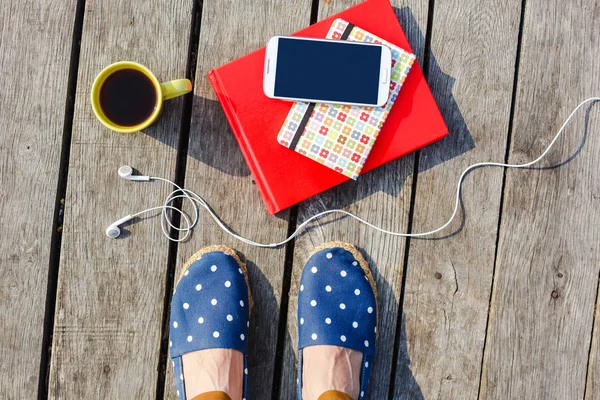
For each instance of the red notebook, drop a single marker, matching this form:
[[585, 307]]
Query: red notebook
[[284, 177]]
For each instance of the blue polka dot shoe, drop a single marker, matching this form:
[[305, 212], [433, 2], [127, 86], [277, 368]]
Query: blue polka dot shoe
[[210, 308], [337, 305]]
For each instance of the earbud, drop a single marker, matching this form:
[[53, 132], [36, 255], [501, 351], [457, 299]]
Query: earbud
[[113, 230], [127, 172]]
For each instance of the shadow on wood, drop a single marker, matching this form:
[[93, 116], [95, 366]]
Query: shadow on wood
[[459, 140], [213, 120], [576, 153], [261, 336], [581, 144], [406, 384], [386, 301]]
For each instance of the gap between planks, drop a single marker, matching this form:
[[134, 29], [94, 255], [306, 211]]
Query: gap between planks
[[180, 168], [501, 206], [63, 171], [411, 210], [287, 274]]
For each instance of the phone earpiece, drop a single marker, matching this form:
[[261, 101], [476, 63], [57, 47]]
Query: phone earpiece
[[113, 230], [127, 172]]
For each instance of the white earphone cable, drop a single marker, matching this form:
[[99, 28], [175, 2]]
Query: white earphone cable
[[196, 201]]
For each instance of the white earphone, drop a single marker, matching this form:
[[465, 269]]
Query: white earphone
[[126, 172], [113, 230]]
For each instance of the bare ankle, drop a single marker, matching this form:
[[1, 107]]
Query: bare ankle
[[213, 370], [330, 368]]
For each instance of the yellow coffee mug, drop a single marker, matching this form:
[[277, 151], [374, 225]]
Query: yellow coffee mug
[[164, 91]]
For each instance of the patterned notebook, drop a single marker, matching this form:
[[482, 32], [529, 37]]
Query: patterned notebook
[[341, 136]]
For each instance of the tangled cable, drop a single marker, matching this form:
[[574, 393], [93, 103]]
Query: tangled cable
[[196, 201]]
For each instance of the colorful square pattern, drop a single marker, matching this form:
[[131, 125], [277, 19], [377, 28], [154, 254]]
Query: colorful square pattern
[[341, 136]]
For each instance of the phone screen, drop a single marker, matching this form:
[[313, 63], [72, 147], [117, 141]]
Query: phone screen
[[327, 71]]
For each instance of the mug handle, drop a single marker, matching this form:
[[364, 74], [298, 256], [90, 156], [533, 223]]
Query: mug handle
[[175, 88]]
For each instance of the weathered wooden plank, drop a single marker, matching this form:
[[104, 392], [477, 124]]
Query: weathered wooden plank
[[217, 171], [35, 44], [592, 385], [448, 283], [548, 255], [109, 302], [382, 197]]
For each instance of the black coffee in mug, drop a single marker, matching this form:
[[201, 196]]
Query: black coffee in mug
[[128, 97]]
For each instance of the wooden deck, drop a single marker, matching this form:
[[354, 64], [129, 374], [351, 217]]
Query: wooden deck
[[504, 305]]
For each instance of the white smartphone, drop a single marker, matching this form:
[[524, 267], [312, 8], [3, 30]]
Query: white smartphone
[[327, 71]]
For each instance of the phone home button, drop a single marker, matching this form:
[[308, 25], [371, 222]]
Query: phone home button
[[386, 73]]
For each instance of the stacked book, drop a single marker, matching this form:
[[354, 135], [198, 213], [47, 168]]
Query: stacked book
[[291, 162]]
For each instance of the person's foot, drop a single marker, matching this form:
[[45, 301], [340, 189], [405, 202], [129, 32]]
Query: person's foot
[[209, 325], [337, 318]]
